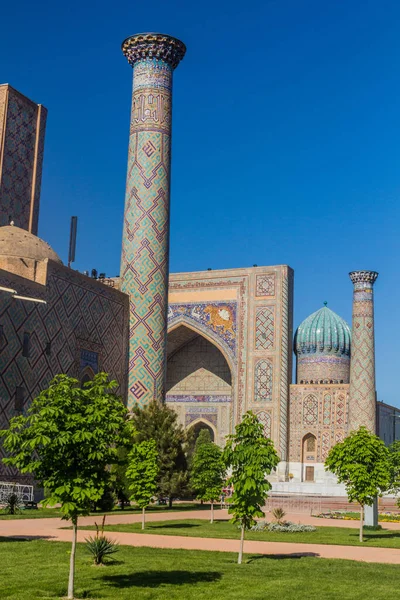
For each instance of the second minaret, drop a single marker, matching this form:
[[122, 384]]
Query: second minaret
[[362, 396]]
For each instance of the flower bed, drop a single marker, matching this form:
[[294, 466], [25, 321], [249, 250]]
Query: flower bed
[[338, 514], [351, 516], [284, 526]]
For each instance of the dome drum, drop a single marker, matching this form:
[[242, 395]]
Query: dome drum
[[323, 369]]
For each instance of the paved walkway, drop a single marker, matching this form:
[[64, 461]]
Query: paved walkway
[[51, 529]]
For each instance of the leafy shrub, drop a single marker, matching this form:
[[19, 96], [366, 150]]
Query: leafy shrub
[[100, 546], [13, 504], [107, 502], [283, 527], [259, 526], [290, 527]]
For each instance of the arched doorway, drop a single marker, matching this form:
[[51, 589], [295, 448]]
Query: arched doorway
[[86, 375], [309, 455], [194, 431], [199, 381], [199, 426]]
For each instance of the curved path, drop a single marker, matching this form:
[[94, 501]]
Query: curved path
[[51, 529]]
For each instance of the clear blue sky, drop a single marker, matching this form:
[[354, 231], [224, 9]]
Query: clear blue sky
[[286, 142]]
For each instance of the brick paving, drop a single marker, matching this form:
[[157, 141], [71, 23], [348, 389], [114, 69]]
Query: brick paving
[[50, 529]]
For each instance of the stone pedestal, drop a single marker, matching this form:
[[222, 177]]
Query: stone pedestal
[[371, 514]]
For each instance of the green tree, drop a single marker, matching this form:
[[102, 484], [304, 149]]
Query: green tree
[[142, 474], [119, 480], [193, 440], [362, 463], [204, 437], [394, 459], [67, 440], [251, 457], [159, 422], [208, 471]]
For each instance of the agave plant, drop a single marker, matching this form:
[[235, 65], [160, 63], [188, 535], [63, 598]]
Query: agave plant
[[100, 546], [279, 515], [13, 504]]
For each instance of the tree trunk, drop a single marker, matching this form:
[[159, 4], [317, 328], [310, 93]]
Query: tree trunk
[[71, 579], [212, 512], [143, 518], [241, 546], [361, 522], [170, 502]]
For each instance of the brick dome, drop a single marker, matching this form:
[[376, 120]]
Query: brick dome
[[18, 243]]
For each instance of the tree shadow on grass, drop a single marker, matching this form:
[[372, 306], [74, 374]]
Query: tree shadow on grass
[[174, 526], [283, 556], [153, 579], [379, 535]]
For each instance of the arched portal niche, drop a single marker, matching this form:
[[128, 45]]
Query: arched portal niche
[[309, 455], [197, 427], [86, 375], [199, 380], [195, 364]]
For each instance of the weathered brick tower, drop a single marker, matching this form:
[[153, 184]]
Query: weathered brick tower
[[22, 133]]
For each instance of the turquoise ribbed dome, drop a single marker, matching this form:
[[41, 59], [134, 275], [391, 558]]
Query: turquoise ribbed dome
[[323, 333]]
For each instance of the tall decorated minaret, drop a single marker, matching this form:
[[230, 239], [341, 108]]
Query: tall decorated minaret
[[362, 397], [145, 243]]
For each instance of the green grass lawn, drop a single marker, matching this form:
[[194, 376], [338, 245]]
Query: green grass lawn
[[224, 529], [38, 570], [44, 513], [40, 513]]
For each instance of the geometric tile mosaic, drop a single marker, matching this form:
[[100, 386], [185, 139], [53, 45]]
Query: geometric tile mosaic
[[340, 407], [327, 409], [83, 325], [264, 328], [263, 381], [310, 410], [264, 418], [145, 245], [362, 375], [21, 166], [265, 285], [325, 444], [320, 410]]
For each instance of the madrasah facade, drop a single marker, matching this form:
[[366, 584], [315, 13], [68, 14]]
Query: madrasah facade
[[211, 344]]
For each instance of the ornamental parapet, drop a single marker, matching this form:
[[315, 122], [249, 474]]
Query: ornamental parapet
[[363, 276], [144, 46]]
